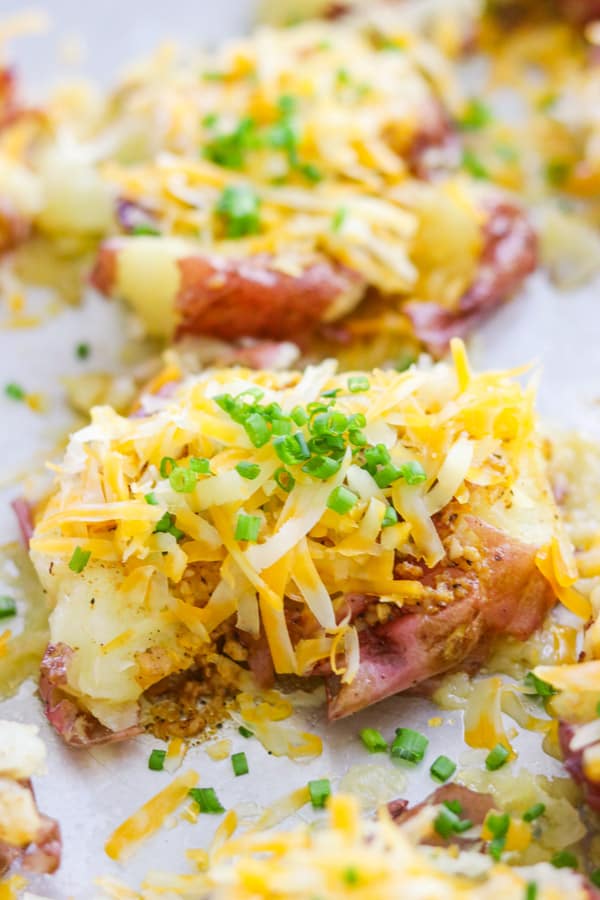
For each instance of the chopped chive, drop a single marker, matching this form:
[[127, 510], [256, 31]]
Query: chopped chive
[[156, 760], [82, 351], [14, 391], [351, 875], [166, 525], [341, 500], [284, 479], [390, 517], [200, 465], [245, 732], [557, 172], [320, 791], [150, 498], [167, 465], [291, 449], [387, 474], [442, 768], [183, 480], [498, 825], [448, 822], [473, 165], [413, 472], [79, 560], [405, 361], [8, 606], [333, 392], [595, 878], [496, 758], [358, 383], [373, 740], [299, 416], [145, 228], [339, 217], [310, 172], [210, 120], [322, 467], [534, 812], [598, 708], [531, 891], [476, 115], [541, 687], [564, 860], [247, 528], [240, 763], [239, 207], [207, 800], [454, 805], [257, 430], [248, 470], [409, 745], [374, 456]]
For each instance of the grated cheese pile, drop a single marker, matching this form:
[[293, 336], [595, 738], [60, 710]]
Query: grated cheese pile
[[354, 857], [211, 507]]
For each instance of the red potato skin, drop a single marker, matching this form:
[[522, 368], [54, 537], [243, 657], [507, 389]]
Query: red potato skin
[[504, 595], [509, 255], [573, 760], [42, 856]]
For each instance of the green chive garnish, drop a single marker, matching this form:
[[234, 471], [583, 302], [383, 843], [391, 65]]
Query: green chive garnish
[[409, 745], [79, 560], [531, 891], [207, 800], [156, 760], [358, 383], [341, 500], [497, 757], [150, 498], [564, 860], [183, 480], [247, 528], [351, 875], [200, 465], [448, 821], [339, 217], [245, 732], [320, 791], [167, 465], [8, 606], [373, 740], [82, 351], [390, 517], [239, 207], [498, 825], [248, 470], [442, 768], [540, 687], [239, 763], [14, 391], [534, 812]]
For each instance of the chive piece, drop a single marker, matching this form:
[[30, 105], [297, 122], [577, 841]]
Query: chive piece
[[413, 472], [541, 687], [350, 875], [229, 150], [564, 860], [405, 361], [390, 517], [322, 467], [183, 480], [339, 217], [557, 172], [245, 732], [447, 821], [145, 228], [534, 812], [82, 351], [476, 115], [299, 416], [239, 207], [320, 791], [210, 120], [387, 475], [207, 800], [240, 763], [156, 760], [8, 606], [358, 383], [496, 758], [257, 430], [14, 391], [373, 740], [498, 825], [454, 806], [409, 745], [374, 456], [473, 165], [166, 525], [248, 470], [247, 528], [150, 498], [79, 560], [167, 465], [310, 172], [341, 500], [284, 479], [333, 392], [291, 448], [595, 878], [598, 708], [200, 465], [442, 768], [531, 891]]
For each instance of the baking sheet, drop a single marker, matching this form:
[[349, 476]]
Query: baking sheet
[[91, 791]]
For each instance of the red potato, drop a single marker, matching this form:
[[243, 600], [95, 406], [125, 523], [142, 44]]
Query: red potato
[[573, 760], [179, 294], [42, 856], [504, 594]]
